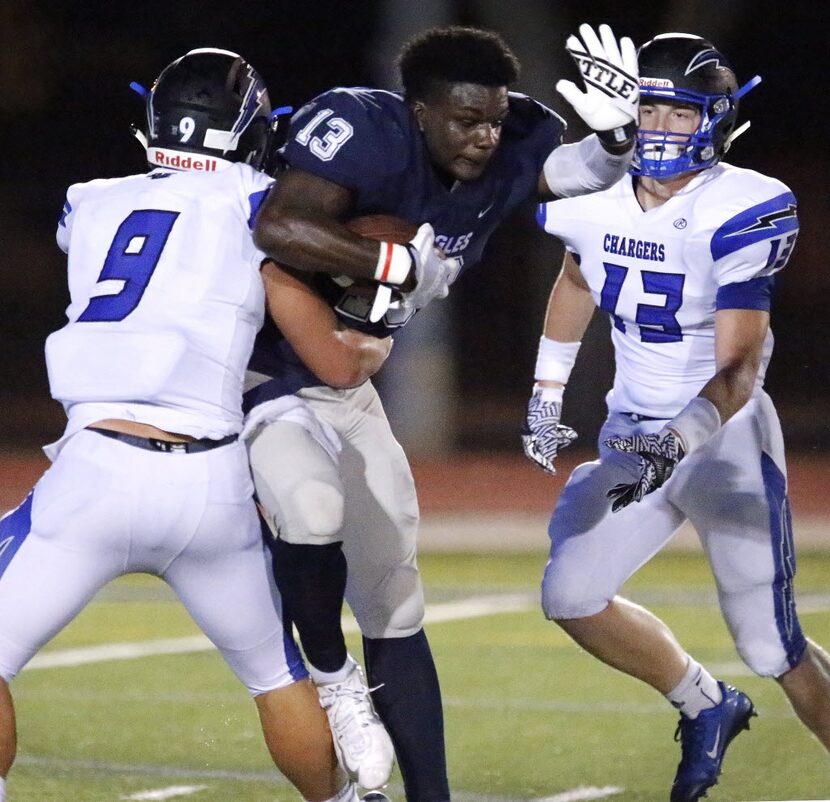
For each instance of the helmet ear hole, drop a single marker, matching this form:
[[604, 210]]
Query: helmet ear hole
[[209, 102]]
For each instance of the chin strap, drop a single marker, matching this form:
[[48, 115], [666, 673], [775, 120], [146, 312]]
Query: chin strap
[[741, 129], [139, 135]]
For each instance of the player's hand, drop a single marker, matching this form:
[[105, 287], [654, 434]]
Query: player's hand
[[433, 271], [542, 434], [659, 454], [609, 71]]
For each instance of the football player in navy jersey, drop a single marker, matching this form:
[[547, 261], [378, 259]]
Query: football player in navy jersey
[[454, 155], [682, 255]]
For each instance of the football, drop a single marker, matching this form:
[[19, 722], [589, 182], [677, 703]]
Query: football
[[384, 227]]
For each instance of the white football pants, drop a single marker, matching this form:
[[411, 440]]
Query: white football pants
[[733, 489], [106, 508]]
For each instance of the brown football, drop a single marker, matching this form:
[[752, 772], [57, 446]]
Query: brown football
[[384, 227]]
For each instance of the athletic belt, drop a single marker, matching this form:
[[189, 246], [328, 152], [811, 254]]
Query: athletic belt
[[637, 417], [153, 444]]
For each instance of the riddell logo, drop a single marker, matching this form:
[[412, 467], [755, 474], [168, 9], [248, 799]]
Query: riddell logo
[[662, 83], [180, 161]]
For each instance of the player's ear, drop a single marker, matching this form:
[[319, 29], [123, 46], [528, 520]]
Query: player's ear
[[418, 109]]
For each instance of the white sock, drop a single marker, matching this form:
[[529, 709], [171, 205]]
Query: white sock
[[348, 793], [698, 690], [2, 790], [329, 677]]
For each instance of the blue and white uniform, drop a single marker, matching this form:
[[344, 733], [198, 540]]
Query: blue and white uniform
[[368, 141], [662, 275], [166, 299]]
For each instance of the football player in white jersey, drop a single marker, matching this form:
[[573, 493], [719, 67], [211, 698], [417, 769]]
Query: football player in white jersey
[[150, 476], [682, 255]]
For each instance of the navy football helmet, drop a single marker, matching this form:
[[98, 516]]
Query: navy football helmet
[[687, 69], [209, 102]]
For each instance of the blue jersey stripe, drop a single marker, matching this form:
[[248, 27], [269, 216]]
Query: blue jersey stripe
[[293, 655], [67, 209], [256, 200], [542, 214], [769, 219], [783, 555], [14, 528], [753, 294]]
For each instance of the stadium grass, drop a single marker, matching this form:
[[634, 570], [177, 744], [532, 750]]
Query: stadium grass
[[529, 715]]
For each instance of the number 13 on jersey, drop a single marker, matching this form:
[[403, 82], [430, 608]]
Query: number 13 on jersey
[[658, 324]]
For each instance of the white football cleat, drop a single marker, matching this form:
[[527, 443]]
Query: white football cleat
[[361, 742]]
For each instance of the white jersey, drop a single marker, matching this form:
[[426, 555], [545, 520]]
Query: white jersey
[[166, 299], [662, 274]]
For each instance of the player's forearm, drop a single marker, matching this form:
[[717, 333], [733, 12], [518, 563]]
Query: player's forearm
[[315, 243], [739, 345], [360, 356], [582, 167], [570, 307], [731, 387]]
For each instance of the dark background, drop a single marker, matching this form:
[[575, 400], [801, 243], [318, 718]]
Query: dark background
[[66, 108]]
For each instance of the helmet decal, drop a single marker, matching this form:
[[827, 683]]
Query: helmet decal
[[710, 56], [208, 103]]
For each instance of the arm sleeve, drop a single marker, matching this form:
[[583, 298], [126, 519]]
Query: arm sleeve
[[583, 167], [750, 248], [340, 133]]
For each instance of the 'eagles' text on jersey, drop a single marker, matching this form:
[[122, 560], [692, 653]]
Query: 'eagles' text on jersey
[[368, 141], [662, 274], [166, 299]]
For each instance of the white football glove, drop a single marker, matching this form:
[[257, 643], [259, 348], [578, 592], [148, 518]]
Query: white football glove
[[434, 272], [543, 436], [610, 73], [659, 454]]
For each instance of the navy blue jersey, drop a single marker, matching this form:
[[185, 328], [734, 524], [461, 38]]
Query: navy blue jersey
[[368, 141]]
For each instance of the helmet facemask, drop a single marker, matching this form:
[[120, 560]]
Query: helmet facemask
[[663, 154], [686, 69]]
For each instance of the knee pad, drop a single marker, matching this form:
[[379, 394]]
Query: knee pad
[[311, 512], [569, 597], [765, 628], [392, 609], [762, 660]]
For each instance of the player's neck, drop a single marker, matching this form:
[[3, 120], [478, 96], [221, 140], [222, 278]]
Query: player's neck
[[652, 193]]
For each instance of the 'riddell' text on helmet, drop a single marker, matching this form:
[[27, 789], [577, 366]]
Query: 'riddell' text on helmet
[[209, 102], [687, 69]]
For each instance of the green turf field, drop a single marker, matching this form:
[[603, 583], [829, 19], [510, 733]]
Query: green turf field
[[529, 717]]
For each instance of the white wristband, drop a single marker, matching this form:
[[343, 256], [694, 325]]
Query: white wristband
[[695, 423], [394, 263], [555, 360], [549, 395]]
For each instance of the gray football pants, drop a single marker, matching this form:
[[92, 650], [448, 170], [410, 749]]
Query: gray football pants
[[365, 497]]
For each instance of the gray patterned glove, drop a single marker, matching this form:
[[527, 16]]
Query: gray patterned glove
[[542, 433], [659, 454]]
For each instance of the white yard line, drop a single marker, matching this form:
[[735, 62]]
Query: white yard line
[[268, 776], [435, 613], [463, 609], [167, 793], [583, 793]]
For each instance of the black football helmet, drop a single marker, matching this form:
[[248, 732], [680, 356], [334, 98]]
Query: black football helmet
[[209, 102], [687, 69]]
